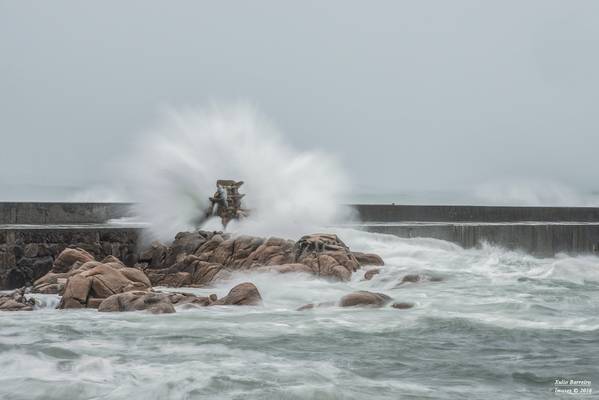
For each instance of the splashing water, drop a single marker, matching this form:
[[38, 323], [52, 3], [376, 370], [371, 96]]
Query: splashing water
[[289, 192]]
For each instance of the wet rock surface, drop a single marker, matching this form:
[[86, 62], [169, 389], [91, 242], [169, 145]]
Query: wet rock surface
[[402, 305], [156, 303], [198, 258], [368, 275], [84, 282], [364, 298], [67, 259], [110, 286], [418, 278], [244, 294], [361, 298], [368, 259], [16, 301]]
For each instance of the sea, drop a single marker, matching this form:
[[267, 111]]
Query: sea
[[494, 324]]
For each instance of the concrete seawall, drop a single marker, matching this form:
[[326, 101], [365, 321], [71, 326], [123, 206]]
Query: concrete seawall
[[89, 213], [61, 213], [539, 239], [541, 231], [417, 213]]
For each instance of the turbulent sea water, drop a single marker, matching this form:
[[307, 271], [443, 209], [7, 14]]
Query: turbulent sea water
[[501, 325]]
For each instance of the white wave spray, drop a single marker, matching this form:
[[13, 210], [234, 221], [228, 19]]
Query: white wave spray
[[175, 171]]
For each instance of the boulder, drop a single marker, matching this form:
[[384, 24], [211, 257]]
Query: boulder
[[156, 303], [51, 283], [415, 278], [185, 243], [244, 294], [410, 278], [402, 305], [326, 255], [179, 299], [311, 306], [154, 256], [368, 275], [68, 257], [365, 259], [189, 271], [286, 268], [88, 284], [364, 298], [16, 301]]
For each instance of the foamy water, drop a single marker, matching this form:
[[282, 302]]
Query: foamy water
[[500, 325]]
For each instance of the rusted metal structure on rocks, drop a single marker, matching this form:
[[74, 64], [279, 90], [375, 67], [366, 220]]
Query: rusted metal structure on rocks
[[226, 202]]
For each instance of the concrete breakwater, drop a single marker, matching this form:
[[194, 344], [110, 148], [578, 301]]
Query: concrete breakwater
[[61, 213], [88, 213], [33, 234], [539, 239], [541, 231], [503, 214]]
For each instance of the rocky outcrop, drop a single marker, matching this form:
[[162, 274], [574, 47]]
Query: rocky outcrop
[[111, 286], [179, 299], [326, 255], [84, 282], [16, 301], [156, 303], [244, 294], [68, 258], [198, 258], [364, 298]]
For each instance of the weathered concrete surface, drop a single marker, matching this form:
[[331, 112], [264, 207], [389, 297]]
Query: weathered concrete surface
[[78, 213], [26, 254], [61, 213], [542, 231], [405, 213], [540, 239]]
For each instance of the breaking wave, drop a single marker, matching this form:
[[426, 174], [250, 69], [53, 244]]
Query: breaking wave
[[175, 171]]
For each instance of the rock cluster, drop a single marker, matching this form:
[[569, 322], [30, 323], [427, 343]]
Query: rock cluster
[[244, 294], [28, 254], [16, 301], [109, 285], [84, 282], [198, 258], [194, 258]]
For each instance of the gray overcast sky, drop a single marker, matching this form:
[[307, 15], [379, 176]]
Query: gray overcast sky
[[409, 94]]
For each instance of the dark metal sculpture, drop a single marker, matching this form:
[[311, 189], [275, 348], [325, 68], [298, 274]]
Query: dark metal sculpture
[[226, 202]]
